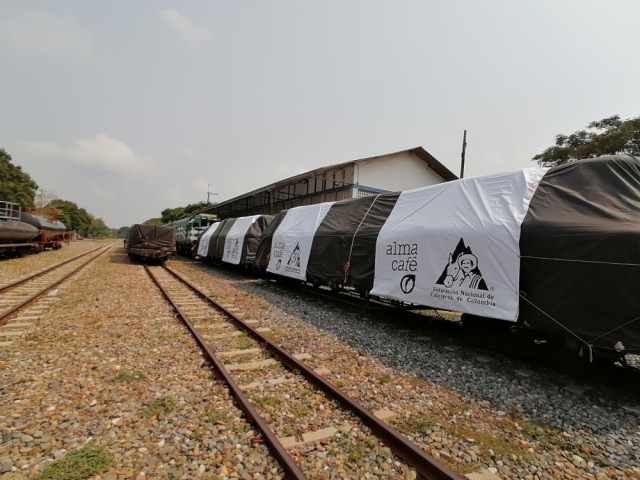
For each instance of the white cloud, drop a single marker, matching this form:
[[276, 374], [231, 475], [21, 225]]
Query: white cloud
[[174, 196], [102, 193], [45, 33], [99, 152], [193, 35]]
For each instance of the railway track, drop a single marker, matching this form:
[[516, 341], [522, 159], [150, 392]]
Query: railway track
[[22, 293], [279, 393]]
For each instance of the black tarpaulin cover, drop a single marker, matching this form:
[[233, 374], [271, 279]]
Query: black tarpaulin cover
[[151, 236], [251, 239], [580, 253], [263, 252], [216, 242], [345, 242], [253, 236]]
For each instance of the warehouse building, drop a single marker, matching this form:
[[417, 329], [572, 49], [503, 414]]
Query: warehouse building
[[397, 171]]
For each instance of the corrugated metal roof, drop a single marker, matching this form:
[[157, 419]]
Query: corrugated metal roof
[[429, 159]]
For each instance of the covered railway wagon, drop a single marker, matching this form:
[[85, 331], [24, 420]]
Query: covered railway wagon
[[151, 242], [554, 251], [234, 240]]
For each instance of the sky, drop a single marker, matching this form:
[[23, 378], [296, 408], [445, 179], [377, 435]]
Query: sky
[[127, 108]]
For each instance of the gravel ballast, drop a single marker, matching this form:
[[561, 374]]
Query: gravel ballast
[[107, 366]]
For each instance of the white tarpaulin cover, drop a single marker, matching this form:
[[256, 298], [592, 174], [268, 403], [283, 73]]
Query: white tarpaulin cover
[[455, 245], [234, 241], [292, 240], [203, 245]]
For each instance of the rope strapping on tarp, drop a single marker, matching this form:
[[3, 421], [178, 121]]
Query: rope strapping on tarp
[[617, 328], [589, 346], [582, 261], [347, 265]]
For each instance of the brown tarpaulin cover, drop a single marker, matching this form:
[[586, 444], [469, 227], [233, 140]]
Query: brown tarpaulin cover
[[151, 236]]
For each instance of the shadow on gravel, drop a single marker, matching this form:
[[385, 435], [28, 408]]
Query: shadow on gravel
[[119, 255]]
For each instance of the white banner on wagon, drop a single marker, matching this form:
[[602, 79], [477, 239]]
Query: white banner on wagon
[[234, 240], [203, 244], [455, 245], [292, 240]]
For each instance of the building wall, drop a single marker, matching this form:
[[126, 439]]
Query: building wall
[[387, 173], [403, 171]]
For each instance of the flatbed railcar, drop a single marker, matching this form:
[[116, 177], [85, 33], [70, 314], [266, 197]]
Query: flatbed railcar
[[551, 253]]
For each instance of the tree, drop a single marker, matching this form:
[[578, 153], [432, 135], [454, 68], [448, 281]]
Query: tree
[[15, 185], [44, 198], [154, 221], [609, 136], [172, 214], [73, 217], [98, 227], [169, 215], [123, 232]]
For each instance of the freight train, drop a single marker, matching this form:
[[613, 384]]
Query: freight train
[[552, 254], [25, 232], [189, 230]]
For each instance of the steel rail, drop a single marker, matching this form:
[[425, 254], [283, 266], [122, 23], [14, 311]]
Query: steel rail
[[39, 274], [5, 315], [426, 465], [271, 440]]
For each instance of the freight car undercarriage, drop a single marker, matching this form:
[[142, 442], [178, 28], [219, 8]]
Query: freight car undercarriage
[[22, 249], [567, 350]]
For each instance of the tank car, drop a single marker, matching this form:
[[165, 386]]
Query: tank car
[[51, 232], [15, 235], [151, 243]]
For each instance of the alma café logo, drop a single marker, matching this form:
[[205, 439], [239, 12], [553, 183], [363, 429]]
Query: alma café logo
[[404, 259]]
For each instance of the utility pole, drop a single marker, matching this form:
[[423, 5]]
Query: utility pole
[[464, 148], [209, 193]]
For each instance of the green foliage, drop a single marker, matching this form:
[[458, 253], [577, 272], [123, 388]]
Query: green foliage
[[154, 221], [15, 185], [417, 424], [128, 376], [73, 217], [123, 232], [218, 416], [173, 214], [76, 465], [158, 406], [98, 227], [609, 136]]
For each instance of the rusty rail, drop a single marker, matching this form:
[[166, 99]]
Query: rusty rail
[[4, 316], [425, 464], [39, 274]]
